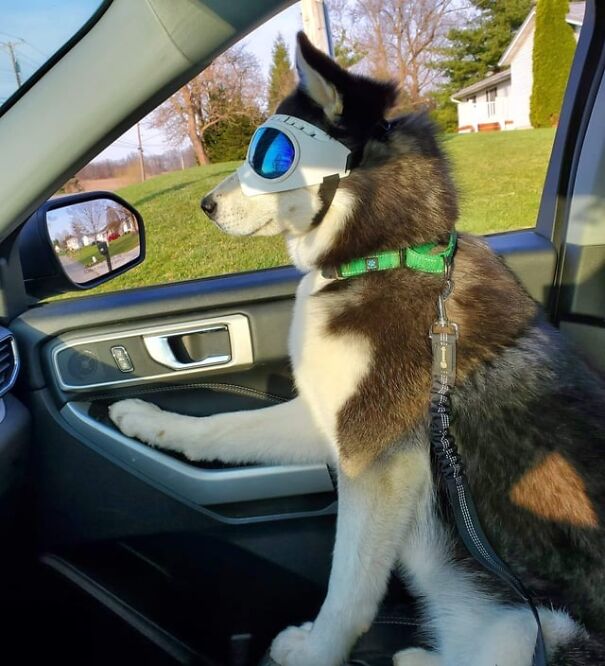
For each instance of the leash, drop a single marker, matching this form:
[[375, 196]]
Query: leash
[[443, 335]]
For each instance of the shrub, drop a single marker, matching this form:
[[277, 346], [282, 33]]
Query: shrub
[[554, 46]]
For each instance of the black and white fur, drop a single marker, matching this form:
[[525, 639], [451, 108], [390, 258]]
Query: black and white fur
[[361, 362]]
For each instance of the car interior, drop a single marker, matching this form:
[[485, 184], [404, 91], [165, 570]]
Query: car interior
[[113, 550]]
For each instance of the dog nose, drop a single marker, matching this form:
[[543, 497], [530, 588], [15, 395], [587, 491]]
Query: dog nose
[[209, 205]]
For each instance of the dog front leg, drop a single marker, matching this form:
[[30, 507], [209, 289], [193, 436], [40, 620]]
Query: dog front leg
[[374, 512], [281, 434]]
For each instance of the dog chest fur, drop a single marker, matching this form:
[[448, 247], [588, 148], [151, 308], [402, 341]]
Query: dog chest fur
[[328, 367]]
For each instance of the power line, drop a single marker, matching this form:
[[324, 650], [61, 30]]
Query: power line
[[37, 50], [8, 34], [29, 60], [24, 41]]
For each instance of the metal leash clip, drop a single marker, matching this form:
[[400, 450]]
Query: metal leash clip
[[443, 335]]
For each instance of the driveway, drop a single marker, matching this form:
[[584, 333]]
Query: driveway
[[81, 274]]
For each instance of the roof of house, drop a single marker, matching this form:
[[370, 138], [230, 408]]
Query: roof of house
[[488, 82], [518, 39]]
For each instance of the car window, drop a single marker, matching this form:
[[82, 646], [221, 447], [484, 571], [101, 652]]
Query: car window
[[498, 116], [32, 32]]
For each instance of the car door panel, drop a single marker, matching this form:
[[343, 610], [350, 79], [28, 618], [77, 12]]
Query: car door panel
[[41, 324], [199, 486], [197, 391]]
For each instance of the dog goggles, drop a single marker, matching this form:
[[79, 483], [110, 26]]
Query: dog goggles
[[287, 153]]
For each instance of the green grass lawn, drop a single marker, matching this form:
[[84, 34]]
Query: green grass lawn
[[85, 254], [499, 175], [123, 243]]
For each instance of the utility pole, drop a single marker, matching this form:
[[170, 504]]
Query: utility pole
[[10, 47], [141, 158], [316, 24]]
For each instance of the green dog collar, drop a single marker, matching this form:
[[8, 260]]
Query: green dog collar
[[418, 258]]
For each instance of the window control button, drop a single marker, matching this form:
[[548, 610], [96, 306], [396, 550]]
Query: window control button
[[122, 359]]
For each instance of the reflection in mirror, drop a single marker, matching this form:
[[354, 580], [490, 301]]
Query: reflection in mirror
[[93, 238]]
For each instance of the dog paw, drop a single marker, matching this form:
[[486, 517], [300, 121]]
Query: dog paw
[[140, 419], [297, 646]]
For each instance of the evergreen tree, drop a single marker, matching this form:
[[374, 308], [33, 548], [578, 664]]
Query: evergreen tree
[[554, 46], [281, 74], [347, 52], [474, 51], [228, 140]]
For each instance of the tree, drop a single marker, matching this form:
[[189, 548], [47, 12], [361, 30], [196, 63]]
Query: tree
[[88, 218], [281, 74], [77, 228], [397, 40], [229, 141], [554, 46], [227, 91], [472, 52], [346, 54]]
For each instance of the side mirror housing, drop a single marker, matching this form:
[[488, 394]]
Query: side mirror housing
[[78, 242]]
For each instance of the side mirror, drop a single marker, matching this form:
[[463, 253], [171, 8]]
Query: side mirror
[[79, 242]]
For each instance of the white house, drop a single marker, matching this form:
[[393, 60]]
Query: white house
[[73, 243], [128, 225], [501, 101]]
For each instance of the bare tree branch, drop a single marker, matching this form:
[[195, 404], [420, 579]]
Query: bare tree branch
[[400, 39], [230, 88]]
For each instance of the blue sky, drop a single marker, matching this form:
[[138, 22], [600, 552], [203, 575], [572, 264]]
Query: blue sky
[[38, 28]]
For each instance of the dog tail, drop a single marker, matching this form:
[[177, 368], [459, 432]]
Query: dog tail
[[583, 650]]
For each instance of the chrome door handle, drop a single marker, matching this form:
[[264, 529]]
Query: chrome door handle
[[160, 350], [238, 331]]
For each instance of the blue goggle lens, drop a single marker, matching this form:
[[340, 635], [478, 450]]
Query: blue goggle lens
[[271, 153]]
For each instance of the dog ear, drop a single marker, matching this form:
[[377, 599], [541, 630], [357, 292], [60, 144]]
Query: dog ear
[[316, 77], [349, 100]]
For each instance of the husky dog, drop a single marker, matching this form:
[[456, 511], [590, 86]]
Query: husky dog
[[529, 414]]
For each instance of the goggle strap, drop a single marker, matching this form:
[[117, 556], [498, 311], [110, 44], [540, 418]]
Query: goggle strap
[[327, 190]]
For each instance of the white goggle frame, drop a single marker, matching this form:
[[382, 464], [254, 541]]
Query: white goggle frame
[[316, 156]]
